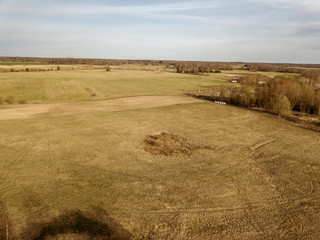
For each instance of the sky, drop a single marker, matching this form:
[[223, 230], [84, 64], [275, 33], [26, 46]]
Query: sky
[[203, 30]]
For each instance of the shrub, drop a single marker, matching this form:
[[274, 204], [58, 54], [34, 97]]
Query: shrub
[[9, 99], [282, 106], [27, 69], [58, 68], [108, 69], [1, 100], [22, 101]]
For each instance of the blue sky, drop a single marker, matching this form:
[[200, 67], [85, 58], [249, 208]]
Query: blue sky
[[216, 30]]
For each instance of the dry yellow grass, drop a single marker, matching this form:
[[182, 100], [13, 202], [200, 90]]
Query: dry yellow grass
[[258, 180], [111, 105]]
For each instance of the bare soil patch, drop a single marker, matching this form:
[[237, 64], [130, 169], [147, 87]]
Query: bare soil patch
[[171, 145]]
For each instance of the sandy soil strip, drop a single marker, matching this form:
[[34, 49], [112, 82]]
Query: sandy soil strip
[[112, 105]]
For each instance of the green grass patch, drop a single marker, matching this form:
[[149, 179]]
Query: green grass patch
[[55, 86]]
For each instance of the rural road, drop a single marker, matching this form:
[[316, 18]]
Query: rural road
[[111, 105]]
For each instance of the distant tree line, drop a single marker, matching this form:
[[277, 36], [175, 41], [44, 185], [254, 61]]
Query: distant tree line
[[201, 68], [88, 61], [310, 71], [91, 61]]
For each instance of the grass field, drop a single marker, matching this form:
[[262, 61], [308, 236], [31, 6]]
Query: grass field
[[61, 86], [257, 178]]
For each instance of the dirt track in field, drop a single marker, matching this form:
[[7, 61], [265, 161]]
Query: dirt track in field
[[111, 105]]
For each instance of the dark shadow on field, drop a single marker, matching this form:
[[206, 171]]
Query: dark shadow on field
[[94, 225]]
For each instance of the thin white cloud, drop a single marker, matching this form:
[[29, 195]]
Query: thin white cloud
[[85, 8], [299, 5], [171, 11]]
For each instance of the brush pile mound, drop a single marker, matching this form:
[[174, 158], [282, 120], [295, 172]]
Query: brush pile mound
[[170, 145]]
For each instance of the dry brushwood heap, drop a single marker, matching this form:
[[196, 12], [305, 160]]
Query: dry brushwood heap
[[170, 145]]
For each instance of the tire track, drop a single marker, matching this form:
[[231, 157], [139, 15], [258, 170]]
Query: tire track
[[25, 152], [313, 176], [288, 209]]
